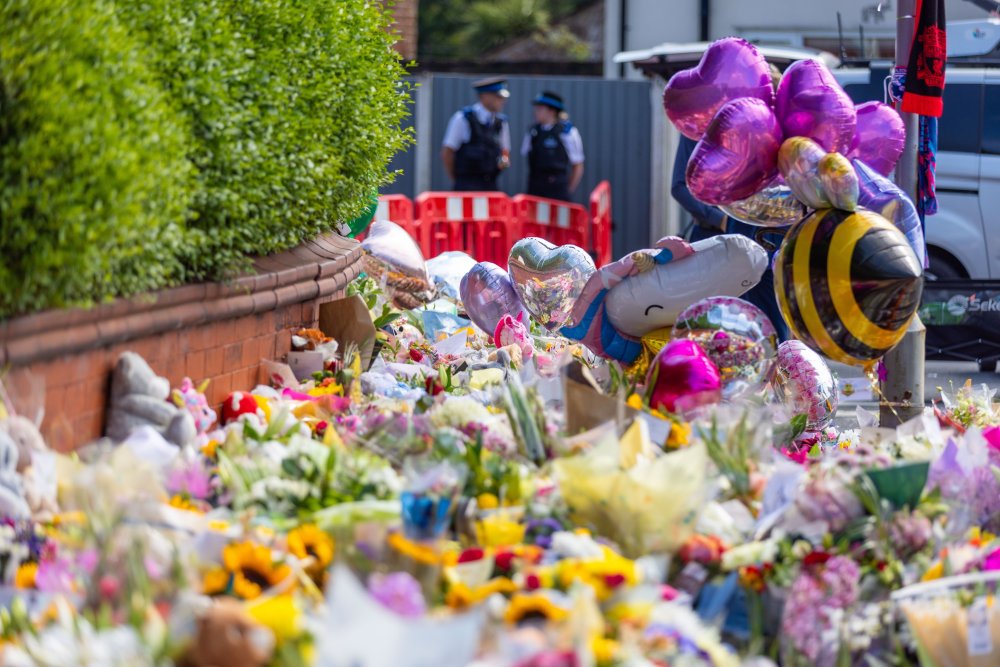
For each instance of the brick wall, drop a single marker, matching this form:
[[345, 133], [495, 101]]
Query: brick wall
[[405, 12], [217, 332]]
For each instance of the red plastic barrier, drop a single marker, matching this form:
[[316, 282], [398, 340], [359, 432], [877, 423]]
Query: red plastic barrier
[[600, 223], [399, 209], [478, 223], [558, 222]]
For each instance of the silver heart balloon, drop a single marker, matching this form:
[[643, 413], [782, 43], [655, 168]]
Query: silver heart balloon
[[774, 206], [549, 278]]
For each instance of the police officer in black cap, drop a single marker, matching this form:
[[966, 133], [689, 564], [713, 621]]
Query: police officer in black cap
[[554, 150], [477, 141]]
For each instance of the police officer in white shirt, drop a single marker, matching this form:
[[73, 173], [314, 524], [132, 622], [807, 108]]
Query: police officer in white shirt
[[477, 142], [554, 150]]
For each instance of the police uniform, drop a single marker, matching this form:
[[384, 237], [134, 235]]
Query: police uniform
[[480, 139], [552, 151]]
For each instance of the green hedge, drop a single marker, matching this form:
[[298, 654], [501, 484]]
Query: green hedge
[[257, 125]]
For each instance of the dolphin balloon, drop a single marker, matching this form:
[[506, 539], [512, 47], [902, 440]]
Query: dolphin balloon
[[647, 289]]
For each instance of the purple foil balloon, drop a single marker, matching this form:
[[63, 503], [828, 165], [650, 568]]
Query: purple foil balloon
[[729, 69], [810, 103], [488, 295], [738, 154], [879, 137], [877, 193]]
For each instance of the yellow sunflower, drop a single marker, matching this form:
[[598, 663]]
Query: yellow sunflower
[[525, 606], [25, 576], [309, 541], [247, 571]]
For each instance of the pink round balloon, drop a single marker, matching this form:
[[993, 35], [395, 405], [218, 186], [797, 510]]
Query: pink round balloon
[[738, 154], [729, 69], [683, 377], [488, 295], [879, 137], [810, 103]]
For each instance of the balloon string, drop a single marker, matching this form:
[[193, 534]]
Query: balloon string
[[872, 374]]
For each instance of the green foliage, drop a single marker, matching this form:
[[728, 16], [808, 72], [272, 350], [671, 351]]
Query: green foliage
[[94, 184], [145, 143]]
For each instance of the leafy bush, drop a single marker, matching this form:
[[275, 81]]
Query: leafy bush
[[145, 143], [94, 180], [296, 108]]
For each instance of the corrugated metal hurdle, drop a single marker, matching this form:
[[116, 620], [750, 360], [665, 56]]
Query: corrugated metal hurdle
[[559, 222]]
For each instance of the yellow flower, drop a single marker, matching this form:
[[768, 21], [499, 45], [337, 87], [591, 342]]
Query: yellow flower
[[216, 581], [487, 501], [265, 407], [635, 402], [309, 541], [680, 434], [332, 389], [182, 503], [605, 650], [418, 552], [527, 605], [636, 613], [499, 530], [936, 571], [209, 450], [252, 568], [459, 596], [280, 614], [25, 576]]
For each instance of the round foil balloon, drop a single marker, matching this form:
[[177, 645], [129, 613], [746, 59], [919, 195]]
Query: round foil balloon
[[803, 381], [682, 377], [392, 255], [840, 183], [798, 162], [774, 206], [549, 278], [879, 137], [447, 270], [738, 154], [488, 295], [877, 193], [736, 335], [810, 103], [729, 69], [848, 284]]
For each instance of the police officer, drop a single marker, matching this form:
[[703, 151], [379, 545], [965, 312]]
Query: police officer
[[554, 150], [477, 142]]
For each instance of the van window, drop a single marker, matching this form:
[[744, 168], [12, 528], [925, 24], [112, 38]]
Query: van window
[[959, 128], [991, 120]]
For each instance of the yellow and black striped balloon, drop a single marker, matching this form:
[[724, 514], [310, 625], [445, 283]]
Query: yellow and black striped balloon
[[848, 284]]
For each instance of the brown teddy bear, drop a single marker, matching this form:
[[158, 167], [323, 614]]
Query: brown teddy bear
[[228, 637]]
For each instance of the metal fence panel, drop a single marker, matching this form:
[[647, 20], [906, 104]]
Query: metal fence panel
[[614, 119]]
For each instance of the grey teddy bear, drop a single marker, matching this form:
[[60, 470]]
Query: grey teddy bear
[[139, 397]]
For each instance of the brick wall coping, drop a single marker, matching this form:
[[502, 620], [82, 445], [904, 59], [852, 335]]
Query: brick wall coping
[[305, 273]]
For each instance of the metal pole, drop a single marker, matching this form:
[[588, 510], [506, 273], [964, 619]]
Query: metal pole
[[904, 384]]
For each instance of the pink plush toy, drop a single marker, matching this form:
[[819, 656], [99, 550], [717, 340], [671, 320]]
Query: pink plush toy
[[513, 332], [193, 400]]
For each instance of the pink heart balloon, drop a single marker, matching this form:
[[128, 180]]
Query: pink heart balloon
[[810, 103], [879, 137], [729, 69], [738, 154]]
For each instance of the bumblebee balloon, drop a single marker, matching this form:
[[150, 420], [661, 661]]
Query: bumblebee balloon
[[848, 284]]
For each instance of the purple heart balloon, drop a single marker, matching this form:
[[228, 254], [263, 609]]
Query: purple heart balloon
[[810, 103], [488, 295], [738, 154], [729, 69], [879, 137]]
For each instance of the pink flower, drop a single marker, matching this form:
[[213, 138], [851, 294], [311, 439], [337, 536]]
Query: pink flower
[[86, 561], [399, 592], [109, 587], [191, 479], [55, 576]]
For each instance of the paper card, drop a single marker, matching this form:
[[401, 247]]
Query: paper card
[[348, 321], [659, 429], [453, 345], [304, 364], [980, 637], [586, 407], [277, 374]]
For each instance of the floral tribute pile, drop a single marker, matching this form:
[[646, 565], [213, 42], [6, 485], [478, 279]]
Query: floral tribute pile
[[436, 500]]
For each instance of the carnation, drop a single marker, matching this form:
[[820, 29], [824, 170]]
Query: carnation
[[458, 411]]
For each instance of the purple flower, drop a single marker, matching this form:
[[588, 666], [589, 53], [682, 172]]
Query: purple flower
[[399, 592], [55, 576], [192, 479]]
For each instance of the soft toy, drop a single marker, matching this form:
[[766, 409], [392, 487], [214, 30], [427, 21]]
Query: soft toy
[[512, 331], [139, 398], [647, 289], [32, 462], [12, 502], [228, 637], [193, 400], [239, 403]]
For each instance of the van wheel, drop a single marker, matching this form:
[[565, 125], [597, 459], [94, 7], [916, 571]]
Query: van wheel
[[943, 267], [988, 366]]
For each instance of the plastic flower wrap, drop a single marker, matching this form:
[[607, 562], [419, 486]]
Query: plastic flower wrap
[[969, 406], [429, 496], [626, 492]]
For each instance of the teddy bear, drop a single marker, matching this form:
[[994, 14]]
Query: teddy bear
[[13, 504], [193, 399], [227, 636], [34, 464], [139, 397]]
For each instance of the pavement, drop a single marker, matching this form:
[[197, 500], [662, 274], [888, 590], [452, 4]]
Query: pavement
[[856, 389]]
